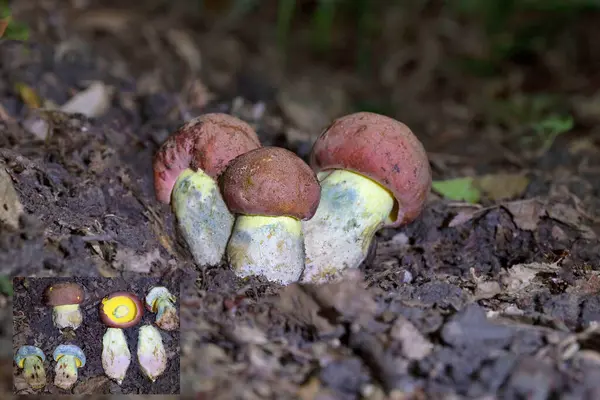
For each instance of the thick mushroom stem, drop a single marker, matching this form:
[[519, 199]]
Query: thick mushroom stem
[[115, 354], [351, 210], [34, 372], [67, 316], [202, 215], [66, 371], [268, 246], [151, 353]]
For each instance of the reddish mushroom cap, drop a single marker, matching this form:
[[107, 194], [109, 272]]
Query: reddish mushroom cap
[[208, 142], [271, 181], [60, 294], [106, 319], [382, 149]]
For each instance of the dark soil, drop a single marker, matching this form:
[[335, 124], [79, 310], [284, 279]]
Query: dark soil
[[33, 324], [500, 299]]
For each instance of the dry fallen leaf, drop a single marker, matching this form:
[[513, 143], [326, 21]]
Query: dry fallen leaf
[[502, 186], [91, 102], [10, 205], [186, 48], [128, 260], [520, 276], [525, 213], [463, 216], [28, 95]]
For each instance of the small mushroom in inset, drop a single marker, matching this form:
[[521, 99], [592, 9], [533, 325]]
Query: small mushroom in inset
[[31, 360], [115, 354], [119, 310], [373, 172], [65, 298], [151, 352], [271, 190], [162, 302], [69, 358], [185, 171]]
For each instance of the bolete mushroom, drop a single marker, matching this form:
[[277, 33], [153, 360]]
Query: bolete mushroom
[[118, 311], [160, 301], [151, 352], [185, 171], [31, 360], [271, 190], [121, 310], [115, 354], [69, 358], [65, 298], [373, 172]]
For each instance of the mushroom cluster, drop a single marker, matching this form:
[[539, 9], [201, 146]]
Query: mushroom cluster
[[286, 220]]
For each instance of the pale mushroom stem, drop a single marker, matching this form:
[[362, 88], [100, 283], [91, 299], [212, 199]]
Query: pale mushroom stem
[[67, 316], [268, 246], [115, 354], [33, 370], [66, 372], [203, 217], [352, 209]]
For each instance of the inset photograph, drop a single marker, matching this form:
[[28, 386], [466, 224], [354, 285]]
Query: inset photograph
[[95, 336]]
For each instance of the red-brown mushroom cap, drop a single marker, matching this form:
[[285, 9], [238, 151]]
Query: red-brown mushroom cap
[[271, 181], [60, 294], [382, 149], [105, 313], [208, 142]]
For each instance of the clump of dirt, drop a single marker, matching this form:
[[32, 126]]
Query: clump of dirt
[[33, 325]]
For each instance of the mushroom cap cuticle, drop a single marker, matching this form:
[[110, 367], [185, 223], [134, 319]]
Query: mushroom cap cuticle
[[272, 182], [63, 293], [208, 143]]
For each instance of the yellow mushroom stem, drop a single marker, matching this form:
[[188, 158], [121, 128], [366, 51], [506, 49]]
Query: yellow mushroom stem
[[203, 217], [66, 371], [33, 371], [352, 209], [268, 246], [67, 316]]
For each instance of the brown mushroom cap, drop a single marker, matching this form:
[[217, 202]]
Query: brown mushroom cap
[[383, 149], [271, 181], [60, 294], [114, 324], [208, 143]]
